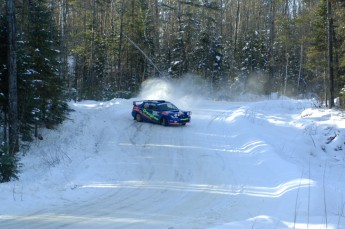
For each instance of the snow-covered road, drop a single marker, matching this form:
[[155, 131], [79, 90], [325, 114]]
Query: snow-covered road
[[236, 165]]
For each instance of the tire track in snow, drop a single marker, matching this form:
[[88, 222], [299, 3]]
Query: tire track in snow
[[188, 177]]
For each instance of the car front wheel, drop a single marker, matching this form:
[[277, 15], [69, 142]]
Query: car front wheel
[[164, 122], [138, 117]]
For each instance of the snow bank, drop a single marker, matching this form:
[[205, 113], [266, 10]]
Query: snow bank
[[268, 164]]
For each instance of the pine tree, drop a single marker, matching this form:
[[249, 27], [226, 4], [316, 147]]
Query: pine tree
[[253, 62], [3, 69], [340, 50], [317, 51], [9, 165], [41, 87], [9, 144]]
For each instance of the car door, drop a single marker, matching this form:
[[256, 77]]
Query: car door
[[154, 112], [150, 112]]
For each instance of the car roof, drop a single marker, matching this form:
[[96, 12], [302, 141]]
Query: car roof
[[155, 101]]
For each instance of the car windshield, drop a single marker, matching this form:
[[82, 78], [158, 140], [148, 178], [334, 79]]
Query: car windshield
[[167, 107]]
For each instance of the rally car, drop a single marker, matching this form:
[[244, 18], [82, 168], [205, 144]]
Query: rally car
[[159, 111]]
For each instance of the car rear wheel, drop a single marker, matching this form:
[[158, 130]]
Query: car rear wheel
[[138, 117]]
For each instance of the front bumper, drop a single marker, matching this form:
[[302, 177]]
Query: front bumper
[[178, 121]]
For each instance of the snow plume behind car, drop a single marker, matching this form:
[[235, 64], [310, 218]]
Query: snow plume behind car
[[185, 92]]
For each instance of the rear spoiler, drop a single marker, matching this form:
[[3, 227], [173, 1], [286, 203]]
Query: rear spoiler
[[136, 103]]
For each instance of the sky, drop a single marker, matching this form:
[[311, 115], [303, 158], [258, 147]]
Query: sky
[[254, 163]]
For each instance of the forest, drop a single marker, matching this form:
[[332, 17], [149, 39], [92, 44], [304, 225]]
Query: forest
[[54, 51]]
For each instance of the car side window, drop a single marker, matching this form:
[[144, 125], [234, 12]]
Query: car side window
[[163, 107], [146, 105], [153, 107]]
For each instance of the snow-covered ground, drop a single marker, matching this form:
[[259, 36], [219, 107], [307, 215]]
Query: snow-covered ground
[[265, 164]]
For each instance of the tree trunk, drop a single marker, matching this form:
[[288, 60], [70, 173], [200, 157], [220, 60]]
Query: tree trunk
[[157, 26], [300, 66], [64, 40], [325, 86], [182, 67], [91, 72], [221, 15], [236, 25], [330, 54], [12, 73], [286, 69], [119, 61], [269, 84]]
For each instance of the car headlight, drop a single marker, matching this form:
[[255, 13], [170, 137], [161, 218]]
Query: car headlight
[[174, 115]]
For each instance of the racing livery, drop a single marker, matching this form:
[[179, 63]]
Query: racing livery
[[159, 111]]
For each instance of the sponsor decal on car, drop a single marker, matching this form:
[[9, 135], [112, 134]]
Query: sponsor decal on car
[[151, 116]]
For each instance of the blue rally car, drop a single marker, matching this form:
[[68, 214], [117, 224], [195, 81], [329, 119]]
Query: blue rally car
[[159, 111]]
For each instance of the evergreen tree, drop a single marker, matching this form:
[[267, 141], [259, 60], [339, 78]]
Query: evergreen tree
[[208, 56], [252, 62], [3, 70], [9, 165], [41, 87], [177, 53], [317, 52], [9, 145], [340, 50]]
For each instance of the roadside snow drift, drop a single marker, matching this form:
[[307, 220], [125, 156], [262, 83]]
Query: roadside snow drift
[[267, 164]]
